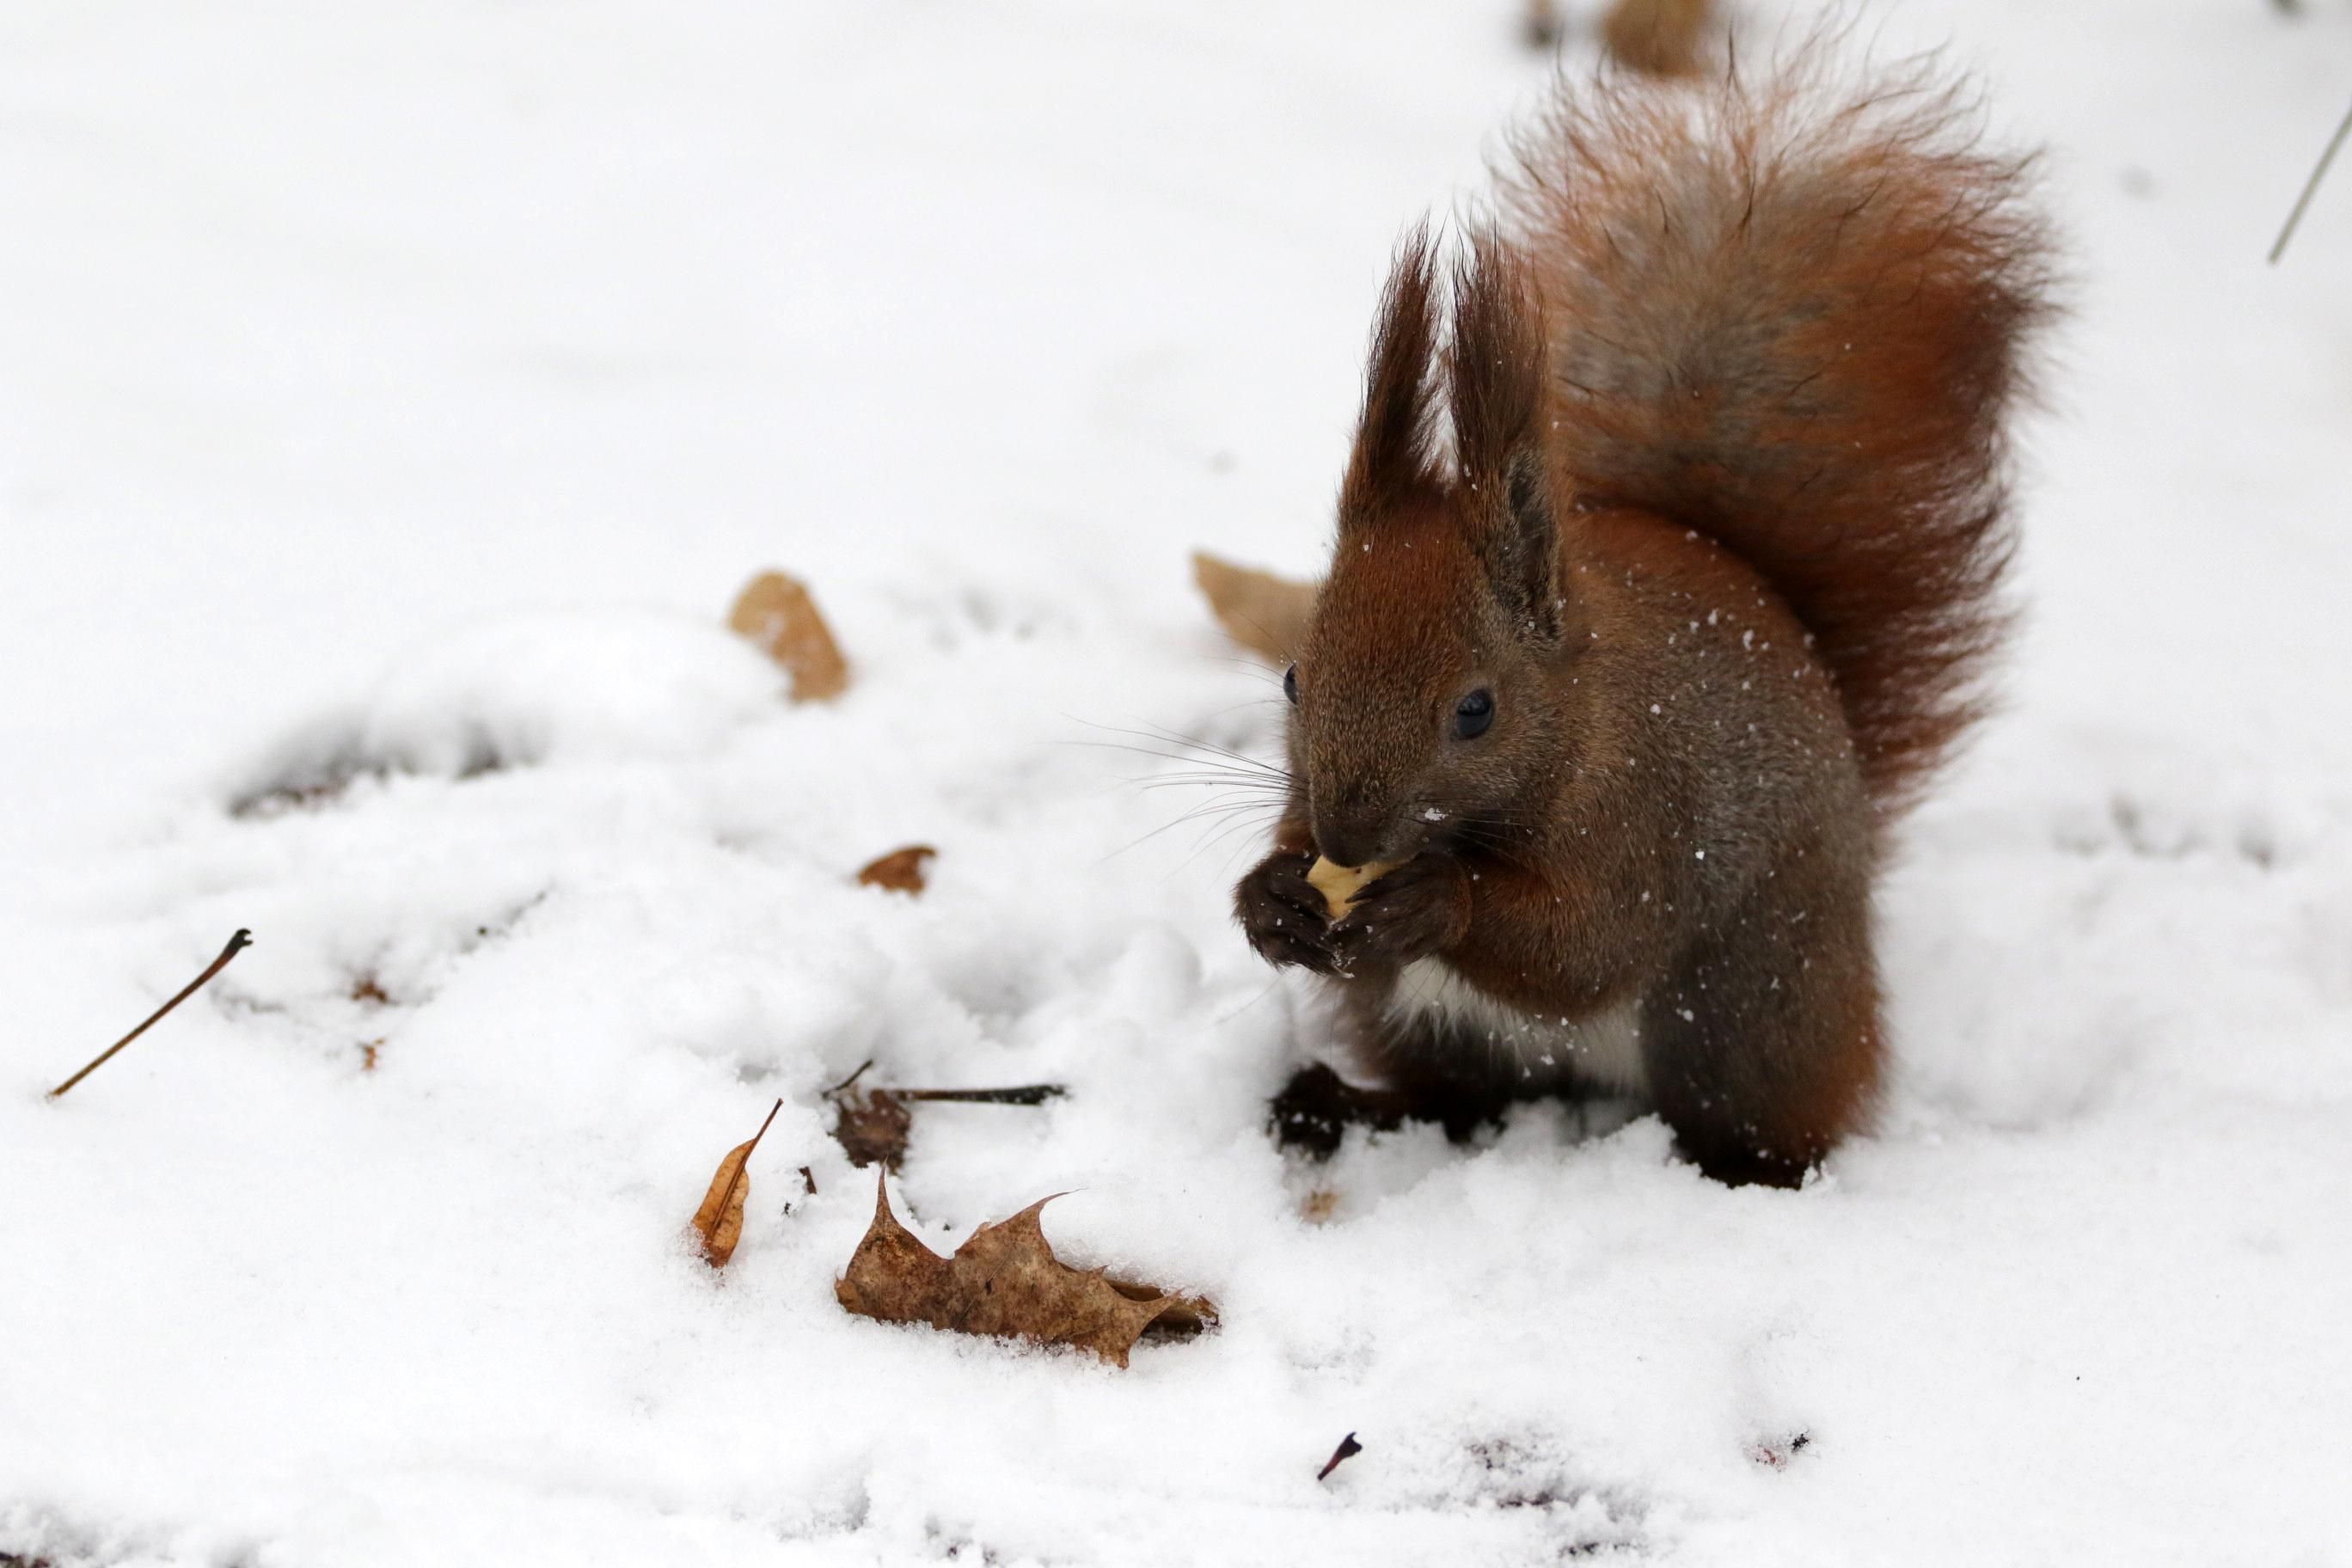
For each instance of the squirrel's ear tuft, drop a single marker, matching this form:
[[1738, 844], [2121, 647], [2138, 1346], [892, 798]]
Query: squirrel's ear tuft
[[1498, 386], [1394, 438]]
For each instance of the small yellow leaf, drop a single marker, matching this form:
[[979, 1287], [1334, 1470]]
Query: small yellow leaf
[[719, 1220], [777, 613]]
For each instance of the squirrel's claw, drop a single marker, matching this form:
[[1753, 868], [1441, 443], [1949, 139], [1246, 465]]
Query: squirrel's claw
[[1283, 914], [1411, 912]]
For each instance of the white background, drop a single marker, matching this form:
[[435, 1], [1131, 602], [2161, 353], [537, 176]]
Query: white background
[[427, 382]]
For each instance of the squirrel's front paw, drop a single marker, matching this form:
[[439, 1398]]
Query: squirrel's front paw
[[1283, 916], [1411, 912]]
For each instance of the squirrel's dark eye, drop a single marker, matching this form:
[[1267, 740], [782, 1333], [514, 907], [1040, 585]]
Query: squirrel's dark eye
[[1290, 683], [1473, 714]]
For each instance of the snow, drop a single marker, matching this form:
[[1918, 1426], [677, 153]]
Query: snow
[[398, 399]]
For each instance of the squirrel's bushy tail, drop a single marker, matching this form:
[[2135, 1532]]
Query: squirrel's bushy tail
[[1791, 317]]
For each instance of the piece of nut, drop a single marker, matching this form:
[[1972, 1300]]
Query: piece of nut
[[1340, 884]]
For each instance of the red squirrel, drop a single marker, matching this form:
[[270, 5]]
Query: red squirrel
[[1667, 569]]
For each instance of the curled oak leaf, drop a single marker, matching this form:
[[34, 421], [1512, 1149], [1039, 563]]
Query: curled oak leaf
[[719, 1220], [1006, 1282], [901, 871], [776, 613], [1264, 614]]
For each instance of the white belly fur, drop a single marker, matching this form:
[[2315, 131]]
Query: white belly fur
[[1603, 1049]]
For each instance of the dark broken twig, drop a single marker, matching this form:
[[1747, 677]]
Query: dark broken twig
[[853, 1077], [1347, 1449], [872, 1125], [1019, 1094], [236, 944]]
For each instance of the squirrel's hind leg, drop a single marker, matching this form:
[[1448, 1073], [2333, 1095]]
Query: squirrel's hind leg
[[1764, 1045]]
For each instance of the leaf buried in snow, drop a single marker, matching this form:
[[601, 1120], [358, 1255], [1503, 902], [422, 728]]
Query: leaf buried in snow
[[777, 613], [719, 1220], [871, 1126], [1004, 1281], [1264, 614], [901, 871]]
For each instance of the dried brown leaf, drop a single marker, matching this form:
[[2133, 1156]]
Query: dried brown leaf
[[776, 611], [1004, 1281], [901, 871], [1264, 612], [719, 1220], [872, 1126]]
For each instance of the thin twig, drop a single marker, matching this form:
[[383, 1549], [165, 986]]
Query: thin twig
[[1020, 1094], [2318, 174], [853, 1077], [236, 944]]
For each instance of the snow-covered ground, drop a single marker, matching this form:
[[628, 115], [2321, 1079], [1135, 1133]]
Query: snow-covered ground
[[425, 380]]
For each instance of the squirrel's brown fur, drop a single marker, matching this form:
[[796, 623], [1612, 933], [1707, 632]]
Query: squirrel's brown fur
[[1715, 539]]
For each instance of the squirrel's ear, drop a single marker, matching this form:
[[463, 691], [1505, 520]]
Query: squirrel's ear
[[1499, 390], [1393, 456], [1523, 556]]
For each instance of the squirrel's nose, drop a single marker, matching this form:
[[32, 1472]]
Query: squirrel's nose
[[1351, 840]]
